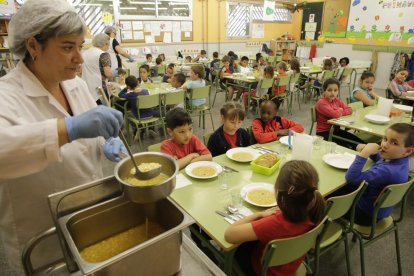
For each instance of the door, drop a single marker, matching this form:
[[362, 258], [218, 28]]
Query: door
[[312, 12]]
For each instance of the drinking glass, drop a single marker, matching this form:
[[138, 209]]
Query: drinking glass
[[317, 142], [330, 147], [223, 179], [236, 199]]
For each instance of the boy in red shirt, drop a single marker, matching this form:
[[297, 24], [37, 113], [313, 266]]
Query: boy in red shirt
[[183, 145], [270, 127]]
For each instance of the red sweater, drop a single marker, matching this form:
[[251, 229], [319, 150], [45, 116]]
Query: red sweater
[[326, 110], [268, 132]]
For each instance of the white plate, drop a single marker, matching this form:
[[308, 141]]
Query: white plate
[[246, 189], [339, 160], [405, 108], [189, 168], [285, 140], [377, 119], [250, 77], [250, 151]]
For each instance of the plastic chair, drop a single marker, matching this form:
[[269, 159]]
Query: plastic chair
[[206, 137], [251, 135], [355, 105], [326, 74], [294, 89], [161, 70], [283, 251], [171, 99], [144, 102], [283, 81], [338, 229], [155, 147], [344, 78], [389, 196], [201, 93], [313, 119], [263, 85]]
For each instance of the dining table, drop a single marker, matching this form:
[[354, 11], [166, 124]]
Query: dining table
[[356, 121], [201, 198]]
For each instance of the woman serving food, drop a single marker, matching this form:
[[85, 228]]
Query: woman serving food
[[50, 127]]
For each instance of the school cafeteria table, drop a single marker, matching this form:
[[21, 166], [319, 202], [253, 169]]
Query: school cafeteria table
[[407, 98], [243, 81], [357, 121], [202, 198]]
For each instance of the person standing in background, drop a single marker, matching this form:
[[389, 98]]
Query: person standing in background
[[115, 50]]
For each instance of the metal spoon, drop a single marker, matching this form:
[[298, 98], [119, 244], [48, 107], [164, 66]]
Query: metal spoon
[[139, 174], [234, 210]]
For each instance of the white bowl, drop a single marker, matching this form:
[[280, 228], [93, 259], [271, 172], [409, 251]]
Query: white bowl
[[377, 119]]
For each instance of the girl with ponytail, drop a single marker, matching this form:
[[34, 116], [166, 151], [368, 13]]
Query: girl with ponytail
[[300, 208]]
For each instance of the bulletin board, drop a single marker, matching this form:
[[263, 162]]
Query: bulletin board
[[149, 32], [335, 18]]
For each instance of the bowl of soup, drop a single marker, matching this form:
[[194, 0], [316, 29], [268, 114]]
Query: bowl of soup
[[148, 190]]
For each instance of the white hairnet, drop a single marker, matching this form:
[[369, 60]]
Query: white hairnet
[[34, 17], [100, 40]]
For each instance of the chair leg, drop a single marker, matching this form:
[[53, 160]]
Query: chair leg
[[348, 263], [361, 254], [397, 247], [212, 124]]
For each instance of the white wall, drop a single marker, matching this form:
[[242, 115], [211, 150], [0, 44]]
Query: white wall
[[385, 60]]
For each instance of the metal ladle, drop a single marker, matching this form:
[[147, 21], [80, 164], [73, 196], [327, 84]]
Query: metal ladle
[[139, 174]]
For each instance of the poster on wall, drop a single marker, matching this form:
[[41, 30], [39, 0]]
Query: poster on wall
[[257, 30], [335, 18], [7, 7], [268, 10], [381, 21]]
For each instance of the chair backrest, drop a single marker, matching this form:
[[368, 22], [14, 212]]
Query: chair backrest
[[251, 135], [313, 119], [283, 81], [148, 101], [155, 147], [393, 194], [200, 92], [161, 69], [346, 72], [266, 83], [294, 78], [206, 137], [271, 59], [173, 98], [283, 251], [355, 105], [340, 205]]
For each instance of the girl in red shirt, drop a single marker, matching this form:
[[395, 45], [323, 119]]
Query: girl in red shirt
[[300, 208]]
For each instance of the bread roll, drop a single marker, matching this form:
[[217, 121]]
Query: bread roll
[[267, 160]]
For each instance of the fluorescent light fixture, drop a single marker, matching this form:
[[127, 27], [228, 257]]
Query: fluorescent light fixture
[[128, 8], [141, 3]]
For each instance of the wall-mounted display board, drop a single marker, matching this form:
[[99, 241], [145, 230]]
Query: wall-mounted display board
[[141, 31], [335, 18], [381, 21]]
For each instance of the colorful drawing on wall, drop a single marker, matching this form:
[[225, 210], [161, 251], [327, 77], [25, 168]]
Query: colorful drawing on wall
[[387, 20], [335, 18]]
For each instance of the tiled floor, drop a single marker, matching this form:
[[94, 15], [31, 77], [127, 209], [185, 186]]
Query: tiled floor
[[380, 258]]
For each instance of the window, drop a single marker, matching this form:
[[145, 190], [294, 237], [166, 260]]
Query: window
[[241, 15], [156, 9]]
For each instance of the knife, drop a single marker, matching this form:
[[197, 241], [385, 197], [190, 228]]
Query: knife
[[228, 168], [226, 215]]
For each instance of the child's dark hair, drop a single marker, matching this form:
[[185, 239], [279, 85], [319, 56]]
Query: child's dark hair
[[258, 56], [225, 59], [177, 117], [145, 67], [188, 57], [344, 59], [148, 56], [233, 110], [131, 82], [121, 71], [230, 53], [366, 75], [405, 129], [327, 64], [268, 70], [198, 70], [402, 69], [297, 192], [266, 102], [215, 54], [244, 58], [158, 60], [171, 66], [330, 81], [333, 59], [295, 65], [180, 77], [203, 52], [282, 65]]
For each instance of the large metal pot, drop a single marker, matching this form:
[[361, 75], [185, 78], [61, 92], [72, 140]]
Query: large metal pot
[[148, 194]]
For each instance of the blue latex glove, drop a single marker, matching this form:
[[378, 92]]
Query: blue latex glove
[[113, 148], [99, 121]]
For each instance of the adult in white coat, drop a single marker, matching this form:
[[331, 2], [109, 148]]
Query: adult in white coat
[[50, 127], [96, 68], [115, 49]]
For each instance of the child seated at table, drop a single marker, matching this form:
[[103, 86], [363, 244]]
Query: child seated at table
[[300, 208], [226, 84], [215, 66], [270, 127], [196, 80], [330, 107], [278, 91], [188, 59], [201, 57], [268, 73], [178, 80], [144, 71], [365, 92], [391, 166], [399, 87], [230, 134], [170, 71], [183, 145], [243, 67]]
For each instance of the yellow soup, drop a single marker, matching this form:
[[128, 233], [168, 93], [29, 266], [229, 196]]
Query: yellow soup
[[133, 180], [261, 197], [242, 156], [203, 171], [120, 242]]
